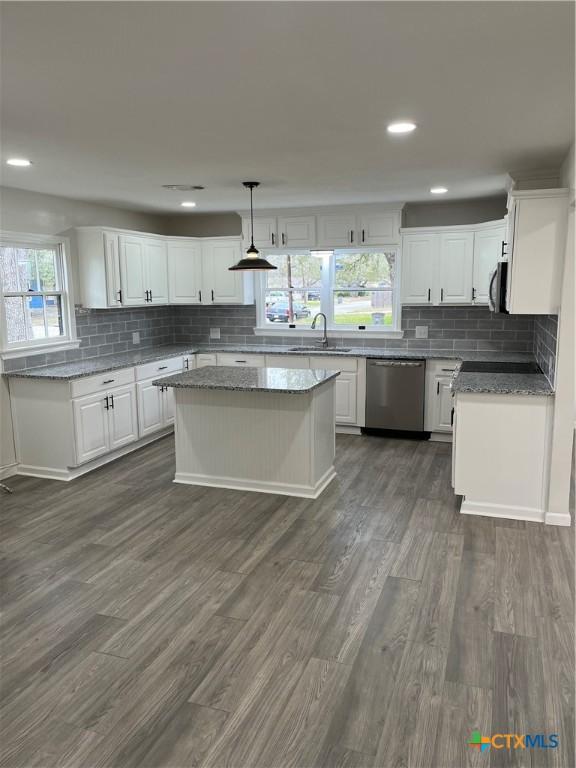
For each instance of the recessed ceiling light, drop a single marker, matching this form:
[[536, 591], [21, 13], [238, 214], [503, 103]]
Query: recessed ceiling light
[[182, 187], [188, 204], [438, 191], [404, 127], [19, 162]]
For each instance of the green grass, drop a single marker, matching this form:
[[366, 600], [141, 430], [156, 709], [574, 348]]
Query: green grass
[[362, 318]]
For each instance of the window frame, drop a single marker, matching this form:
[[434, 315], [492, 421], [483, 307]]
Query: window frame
[[394, 331], [69, 339]]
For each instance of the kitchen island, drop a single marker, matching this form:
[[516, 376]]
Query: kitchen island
[[270, 430]]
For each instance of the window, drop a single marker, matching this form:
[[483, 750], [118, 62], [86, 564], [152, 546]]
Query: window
[[33, 284], [357, 289], [292, 292]]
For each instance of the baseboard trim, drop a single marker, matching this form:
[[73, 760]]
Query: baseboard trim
[[258, 486], [502, 511], [558, 518], [441, 437], [9, 470], [71, 473], [343, 429]]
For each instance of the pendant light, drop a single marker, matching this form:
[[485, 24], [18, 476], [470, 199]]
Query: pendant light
[[252, 260]]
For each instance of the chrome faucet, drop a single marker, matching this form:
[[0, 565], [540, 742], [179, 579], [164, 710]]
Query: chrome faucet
[[324, 340]]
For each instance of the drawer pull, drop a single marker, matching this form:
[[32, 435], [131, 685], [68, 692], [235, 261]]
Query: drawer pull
[[448, 370], [107, 381], [162, 367], [240, 361]]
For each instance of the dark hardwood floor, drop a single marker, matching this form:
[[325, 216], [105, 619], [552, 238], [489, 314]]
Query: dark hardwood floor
[[148, 624]]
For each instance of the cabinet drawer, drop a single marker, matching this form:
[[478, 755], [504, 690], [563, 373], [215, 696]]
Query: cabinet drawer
[[334, 363], [442, 367], [158, 368], [287, 361], [102, 382], [241, 360]]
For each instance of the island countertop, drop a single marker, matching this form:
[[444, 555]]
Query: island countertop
[[290, 381]]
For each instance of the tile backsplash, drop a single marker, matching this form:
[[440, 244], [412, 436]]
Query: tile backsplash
[[545, 340], [107, 331]]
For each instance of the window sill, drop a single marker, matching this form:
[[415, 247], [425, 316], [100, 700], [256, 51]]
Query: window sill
[[340, 333], [41, 349]]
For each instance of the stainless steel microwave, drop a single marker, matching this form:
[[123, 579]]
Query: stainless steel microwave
[[498, 288]]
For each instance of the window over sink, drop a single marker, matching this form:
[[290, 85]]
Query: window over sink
[[357, 290]]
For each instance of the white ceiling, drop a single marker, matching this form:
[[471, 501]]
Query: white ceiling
[[112, 100]]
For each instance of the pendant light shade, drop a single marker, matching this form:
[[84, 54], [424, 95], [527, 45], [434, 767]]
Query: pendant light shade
[[252, 260]]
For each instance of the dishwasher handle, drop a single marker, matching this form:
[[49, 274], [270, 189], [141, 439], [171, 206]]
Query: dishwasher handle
[[397, 363]]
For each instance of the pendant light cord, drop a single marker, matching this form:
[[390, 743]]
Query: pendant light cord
[[252, 218]]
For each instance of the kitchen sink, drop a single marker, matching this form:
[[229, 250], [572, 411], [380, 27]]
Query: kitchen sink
[[483, 366], [319, 349]]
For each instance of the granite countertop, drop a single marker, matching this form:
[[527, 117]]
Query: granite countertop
[[502, 383], [289, 381], [95, 365]]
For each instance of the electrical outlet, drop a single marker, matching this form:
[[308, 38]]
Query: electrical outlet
[[421, 332], [214, 333], [136, 337]]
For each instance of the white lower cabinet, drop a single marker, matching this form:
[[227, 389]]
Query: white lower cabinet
[[438, 401], [104, 421]]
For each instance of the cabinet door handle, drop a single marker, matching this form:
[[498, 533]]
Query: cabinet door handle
[[107, 381], [351, 235], [428, 294], [150, 295], [119, 292], [452, 418], [162, 367], [502, 254], [363, 235], [283, 239], [441, 294], [437, 387], [186, 364], [146, 299], [212, 294], [273, 239], [473, 294], [107, 403], [200, 296], [111, 401]]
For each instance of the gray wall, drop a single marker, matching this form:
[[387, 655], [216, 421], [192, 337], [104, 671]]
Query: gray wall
[[451, 212], [204, 225]]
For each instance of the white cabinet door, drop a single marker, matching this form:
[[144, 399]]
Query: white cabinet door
[[265, 232], [112, 267], [336, 230], [156, 272], [419, 265], [185, 272], [379, 228], [90, 426], [122, 416], [487, 253], [456, 257], [297, 231], [149, 408], [443, 413], [346, 386], [168, 408], [220, 285], [132, 270]]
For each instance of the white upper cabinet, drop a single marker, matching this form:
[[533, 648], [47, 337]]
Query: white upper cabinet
[[132, 270], [337, 230], [185, 272], [113, 281], [221, 286], [379, 228], [456, 258], [156, 270], [265, 232], [419, 268], [449, 265], [535, 246], [487, 253], [297, 231], [98, 267]]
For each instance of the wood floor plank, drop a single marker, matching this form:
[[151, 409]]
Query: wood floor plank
[[409, 731], [515, 604], [412, 554], [464, 709]]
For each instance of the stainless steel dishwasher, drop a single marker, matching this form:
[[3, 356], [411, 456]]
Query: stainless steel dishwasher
[[395, 394]]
